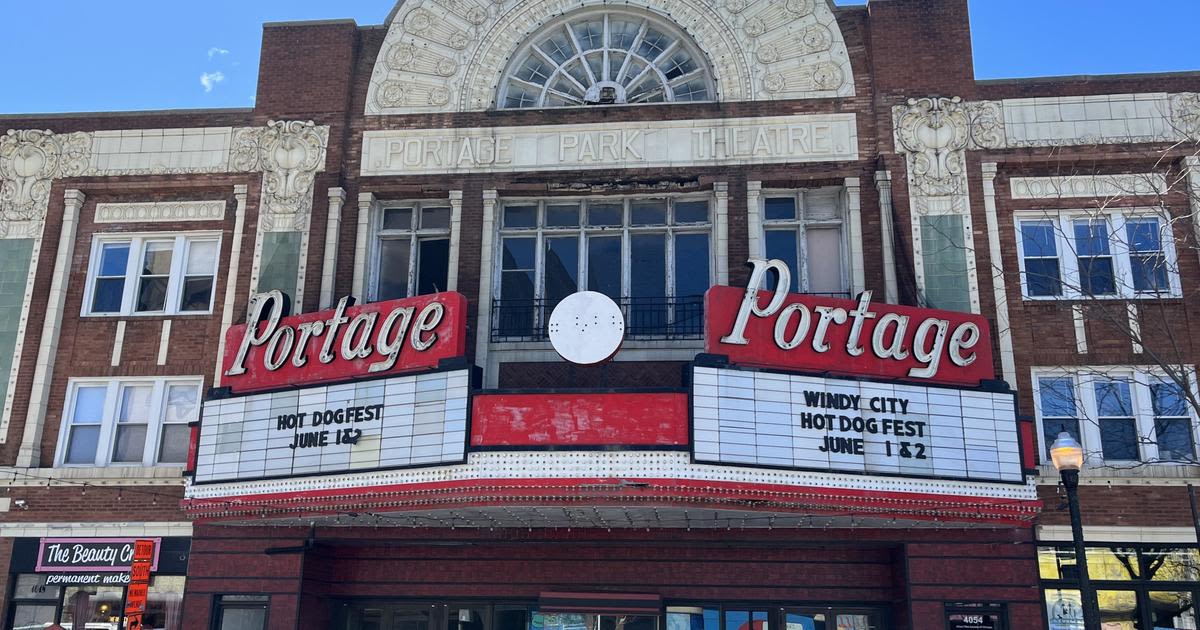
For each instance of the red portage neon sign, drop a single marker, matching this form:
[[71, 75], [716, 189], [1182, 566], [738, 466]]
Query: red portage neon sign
[[811, 333], [378, 339]]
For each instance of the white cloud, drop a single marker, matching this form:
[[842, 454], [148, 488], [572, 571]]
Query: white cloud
[[210, 79], [214, 51]]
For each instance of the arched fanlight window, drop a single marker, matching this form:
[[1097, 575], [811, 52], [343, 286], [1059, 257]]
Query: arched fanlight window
[[606, 57]]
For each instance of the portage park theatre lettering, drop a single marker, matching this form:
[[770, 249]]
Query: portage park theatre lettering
[[807, 138]]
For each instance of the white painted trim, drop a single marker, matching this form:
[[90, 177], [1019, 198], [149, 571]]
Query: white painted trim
[[853, 204], [754, 222], [1135, 327], [456, 199], [333, 227], [721, 230], [95, 530], [366, 209], [1081, 342], [164, 342], [1191, 166], [10, 396], [1008, 363], [29, 454], [883, 183], [302, 269], [1118, 534], [118, 342], [483, 322], [69, 477], [160, 211], [231, 275], [610, 465], [1062, 186]]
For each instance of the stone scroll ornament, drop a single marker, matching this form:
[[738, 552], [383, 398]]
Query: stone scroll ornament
[[936, 131], [289, 154], [30, 161]]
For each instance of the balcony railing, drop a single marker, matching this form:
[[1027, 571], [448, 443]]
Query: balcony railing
[[666, 318]]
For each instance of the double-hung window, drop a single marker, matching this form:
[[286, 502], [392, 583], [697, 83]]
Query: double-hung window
[[1119, 414], [1127, 253], [805, 230], [153, 274], [413, 250], [135, 421], [652, 255]]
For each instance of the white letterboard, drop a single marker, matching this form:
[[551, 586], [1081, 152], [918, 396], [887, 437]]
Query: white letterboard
[[404, 421], [809, 422]]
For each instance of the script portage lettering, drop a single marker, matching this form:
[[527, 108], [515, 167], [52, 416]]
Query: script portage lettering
[[778, 329]]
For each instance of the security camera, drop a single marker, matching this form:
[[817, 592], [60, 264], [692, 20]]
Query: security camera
[[21, 503]]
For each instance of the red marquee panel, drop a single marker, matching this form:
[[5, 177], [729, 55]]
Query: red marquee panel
[[578, 419]]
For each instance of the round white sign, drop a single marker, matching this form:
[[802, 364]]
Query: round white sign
[[587, 328]]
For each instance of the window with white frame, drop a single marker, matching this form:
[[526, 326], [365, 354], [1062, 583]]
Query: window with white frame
[[606, 57], [134, 422], [1120, 415], [1125, 253], [805, 229], [412, 244], [152, 274], [652, 255]]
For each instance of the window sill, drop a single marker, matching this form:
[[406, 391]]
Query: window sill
[[1099, 298], [100, 316], [73, 475], [1131, 473]]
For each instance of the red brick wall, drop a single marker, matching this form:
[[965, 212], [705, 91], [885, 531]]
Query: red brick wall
[[857, 567]]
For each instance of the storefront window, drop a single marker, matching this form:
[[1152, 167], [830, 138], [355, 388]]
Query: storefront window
[[1173, 609], [1173, 565], [93, 607], [164, 607], [1112, 563], [692, 618], [1119, 610], [1150, 586], [248, 612]]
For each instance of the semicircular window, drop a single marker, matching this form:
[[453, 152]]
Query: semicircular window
[[604, 58]]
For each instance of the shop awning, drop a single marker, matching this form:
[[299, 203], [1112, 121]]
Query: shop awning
[[607, 603]]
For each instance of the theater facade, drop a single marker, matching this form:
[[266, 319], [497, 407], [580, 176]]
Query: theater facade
[[578, 315]]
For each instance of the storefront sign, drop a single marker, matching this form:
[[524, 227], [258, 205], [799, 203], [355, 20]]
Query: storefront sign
[[378, 339], [631, 144], [139, 584], [830, 424], [87, 555], [383, 423], [1064, 610], [855, 337]]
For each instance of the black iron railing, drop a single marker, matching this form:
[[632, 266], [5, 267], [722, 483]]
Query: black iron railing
[[645, 318]]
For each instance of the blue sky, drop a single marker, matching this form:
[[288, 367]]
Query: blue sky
[[77, 55]]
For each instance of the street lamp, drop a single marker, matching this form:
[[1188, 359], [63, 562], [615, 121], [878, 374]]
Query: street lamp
[[1067, 455]]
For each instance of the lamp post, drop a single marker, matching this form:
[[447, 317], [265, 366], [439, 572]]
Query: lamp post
[[1067, 455]]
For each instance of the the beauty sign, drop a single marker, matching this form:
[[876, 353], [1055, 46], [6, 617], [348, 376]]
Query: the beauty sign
[[776, 329], [87, 555], [347, 342]]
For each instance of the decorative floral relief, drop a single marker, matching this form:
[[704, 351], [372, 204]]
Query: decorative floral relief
[[29, 162], [827, 76], [289, 154], [799, 7], [816, 38], [774, 82], [767, 54], [934, 132], [460, 48]]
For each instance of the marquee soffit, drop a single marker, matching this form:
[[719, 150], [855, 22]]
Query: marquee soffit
[[450, 55]]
